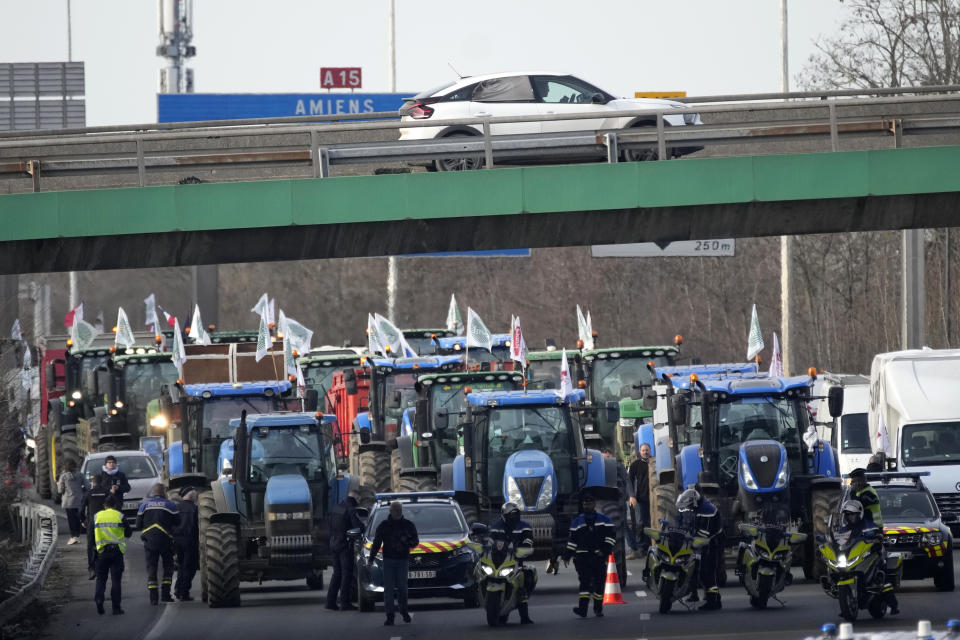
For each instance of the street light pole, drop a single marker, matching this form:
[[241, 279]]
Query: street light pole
[[392, 82], [786, 242]]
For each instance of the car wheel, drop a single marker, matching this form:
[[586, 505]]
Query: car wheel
[[944, 580], [641, 155], [470, 163]]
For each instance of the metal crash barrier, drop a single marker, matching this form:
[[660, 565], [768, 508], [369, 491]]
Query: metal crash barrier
[[35, 525]]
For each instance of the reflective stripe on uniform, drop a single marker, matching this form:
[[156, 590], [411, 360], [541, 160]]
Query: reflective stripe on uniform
[[154, 526]]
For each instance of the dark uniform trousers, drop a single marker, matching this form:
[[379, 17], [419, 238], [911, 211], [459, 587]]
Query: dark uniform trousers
[[187, 563], [109, 562], [342, 580], [592, 572], [158, 546]]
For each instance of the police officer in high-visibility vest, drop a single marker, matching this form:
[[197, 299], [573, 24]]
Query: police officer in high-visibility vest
[[592, 538], [157, 520], [110, 534], [867, 496]]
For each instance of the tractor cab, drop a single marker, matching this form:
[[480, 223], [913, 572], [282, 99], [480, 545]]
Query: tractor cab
[[132, 381], [543, 368], [319, 368], [612, 375], [480, 359], [424, 341], [83, 394]]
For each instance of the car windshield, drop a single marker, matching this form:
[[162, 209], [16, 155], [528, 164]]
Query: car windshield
[[280, 450], [135, 467], [856, 433], [565, 90], [901, 504], [930, 444], [545, 428], [218, 412], [435, 520], [142, 382]]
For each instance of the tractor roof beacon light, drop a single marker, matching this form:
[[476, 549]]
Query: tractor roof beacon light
[[812, 372], [678, 339]]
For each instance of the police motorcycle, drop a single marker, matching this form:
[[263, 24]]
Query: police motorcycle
[[765, 554], [498, 574], [857, 575], [673, 564]]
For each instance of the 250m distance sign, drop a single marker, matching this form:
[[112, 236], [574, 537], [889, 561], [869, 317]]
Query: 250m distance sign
[[340, 77]]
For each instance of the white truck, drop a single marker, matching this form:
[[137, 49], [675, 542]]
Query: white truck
[[849, 434], [915, 419]]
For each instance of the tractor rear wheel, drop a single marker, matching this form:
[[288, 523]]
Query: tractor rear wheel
[[822, 505], [375, 470], [417, 482], [470, 513], [67, 450], [222, 554], [206, 507], [43, 463], [613, 510], [395, 470], [664, 505]]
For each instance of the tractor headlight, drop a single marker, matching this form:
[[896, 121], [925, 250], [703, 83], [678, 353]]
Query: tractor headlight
[[159, 421], [506, 571], [930, 539], [546, 493], [748, 480], [782, 478], [487, 570], [118, 404], [76, 395], [626, 422], [513, 492]]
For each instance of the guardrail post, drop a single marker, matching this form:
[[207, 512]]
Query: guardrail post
[[487, 146], [661, 142], [613, 149], [834, 134], [141, 166], [33, 168], [315, 153]]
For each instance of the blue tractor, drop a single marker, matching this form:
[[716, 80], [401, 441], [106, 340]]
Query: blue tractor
[[527, 447], [392, 391], [495, 359], [747, 442], [270, 513]]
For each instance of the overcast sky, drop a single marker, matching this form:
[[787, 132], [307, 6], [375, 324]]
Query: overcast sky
[[700, 46]]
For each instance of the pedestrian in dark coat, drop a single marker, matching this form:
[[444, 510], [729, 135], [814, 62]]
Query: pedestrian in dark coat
[[343, 518], [187, 541], [640, 502], [397, 536], [90, 506], [157, 520], [112, 479]]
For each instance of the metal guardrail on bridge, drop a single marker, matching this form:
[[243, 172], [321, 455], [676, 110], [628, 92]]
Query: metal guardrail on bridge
[[296, 147], [37, 525]]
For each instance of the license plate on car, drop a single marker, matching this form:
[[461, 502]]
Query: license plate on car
[[131, 505], [422, 575]]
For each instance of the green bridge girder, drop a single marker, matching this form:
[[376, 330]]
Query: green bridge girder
[[339, 217]]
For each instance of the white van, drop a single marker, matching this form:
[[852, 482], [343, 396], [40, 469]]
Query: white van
[[915, 399], [849, 435]]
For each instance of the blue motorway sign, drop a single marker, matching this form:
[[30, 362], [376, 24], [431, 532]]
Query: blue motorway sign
[[193, 107]]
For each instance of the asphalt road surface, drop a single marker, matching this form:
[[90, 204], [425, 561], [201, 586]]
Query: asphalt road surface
[[290, 610]]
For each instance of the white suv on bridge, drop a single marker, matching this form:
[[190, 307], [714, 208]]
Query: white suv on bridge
[[529, 94]]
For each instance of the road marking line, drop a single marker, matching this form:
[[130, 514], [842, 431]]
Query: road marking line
[[644, 616], [641, 594], [395, 637]]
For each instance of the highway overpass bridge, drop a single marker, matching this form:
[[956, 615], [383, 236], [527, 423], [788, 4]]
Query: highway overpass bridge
[[109, 198]]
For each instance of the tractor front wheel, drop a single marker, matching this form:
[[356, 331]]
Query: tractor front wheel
[[222, 565]]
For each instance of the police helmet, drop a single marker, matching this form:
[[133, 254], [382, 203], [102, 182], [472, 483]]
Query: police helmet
[[850, 509], [508, 509], [688, 500], [858, 473]]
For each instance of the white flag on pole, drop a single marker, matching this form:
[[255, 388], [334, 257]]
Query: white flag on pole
[[298, 335], [454, 321], [389, 336], [15, 332], [178, 354], [518, 346], [755, 338], [151, 314], [583, 330], [271, 312], [883, 438], [566, 382], [83, 334], [373, 337], [27, 356], [262, 306], [593, 342], [124, 337], [263, 339], [198, 333], [477, 333], [776, 359]]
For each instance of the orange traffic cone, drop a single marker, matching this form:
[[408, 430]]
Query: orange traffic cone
[[611, 591]]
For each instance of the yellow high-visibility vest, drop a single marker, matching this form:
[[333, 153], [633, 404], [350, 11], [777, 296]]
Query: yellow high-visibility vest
[[108, 529]]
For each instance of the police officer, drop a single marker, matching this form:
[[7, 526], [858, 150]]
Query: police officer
[[592, 538], [866, 496], [700, 517], [111, 533], [187, 540], [91, 505], [157, 520], [512, 529], [343, 518]]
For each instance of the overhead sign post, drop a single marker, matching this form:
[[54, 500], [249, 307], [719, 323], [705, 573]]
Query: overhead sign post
[[682, 248], [340, 77]]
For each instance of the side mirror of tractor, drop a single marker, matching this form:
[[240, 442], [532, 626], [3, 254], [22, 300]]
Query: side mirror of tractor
[[649, 400], [835, 401], [364, 436]]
